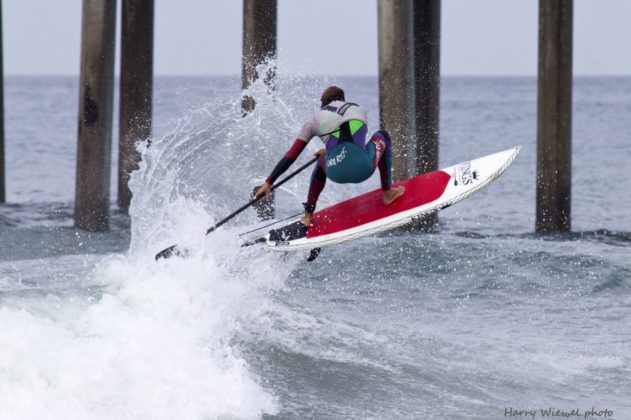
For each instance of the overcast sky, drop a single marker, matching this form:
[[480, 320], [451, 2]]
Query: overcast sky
[[203, 37]]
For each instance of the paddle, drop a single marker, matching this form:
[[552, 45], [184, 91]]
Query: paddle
[[172, 250]]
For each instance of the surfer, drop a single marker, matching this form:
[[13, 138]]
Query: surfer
[[346, 158]]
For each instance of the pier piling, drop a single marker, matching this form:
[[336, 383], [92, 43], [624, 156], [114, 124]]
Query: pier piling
[[136, 89], [396, 84], [95, 115], [427, 15], [259, 43], [427, 83], [264, 208], [554, 117]]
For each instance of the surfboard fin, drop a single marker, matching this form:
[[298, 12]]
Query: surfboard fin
[[314, 254]]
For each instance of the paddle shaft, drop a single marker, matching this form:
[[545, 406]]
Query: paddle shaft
[[254, 200], [167, 252]]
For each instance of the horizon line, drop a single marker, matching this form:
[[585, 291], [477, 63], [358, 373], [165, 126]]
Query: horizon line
[[117, 75]]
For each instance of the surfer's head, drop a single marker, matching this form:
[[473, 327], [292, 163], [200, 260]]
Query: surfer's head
[[330, 94]]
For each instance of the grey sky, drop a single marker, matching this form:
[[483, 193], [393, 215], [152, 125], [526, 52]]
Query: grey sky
[[202, 37]]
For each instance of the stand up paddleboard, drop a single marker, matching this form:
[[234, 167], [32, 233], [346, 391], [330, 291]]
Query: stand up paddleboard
[[366, 214]]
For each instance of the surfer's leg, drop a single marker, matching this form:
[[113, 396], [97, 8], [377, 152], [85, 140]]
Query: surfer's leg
[[316, 185], [383, 160]]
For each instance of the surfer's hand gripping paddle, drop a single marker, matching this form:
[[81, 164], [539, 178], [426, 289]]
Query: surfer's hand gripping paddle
[[173, 249]]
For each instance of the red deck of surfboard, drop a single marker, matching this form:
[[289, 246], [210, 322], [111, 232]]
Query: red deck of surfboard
[[368, 207]]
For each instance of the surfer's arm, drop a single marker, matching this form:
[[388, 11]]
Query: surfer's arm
[[286, 161], [307, 132], [282, 165]]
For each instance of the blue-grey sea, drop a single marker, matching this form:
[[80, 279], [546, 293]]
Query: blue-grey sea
[[481, 319]]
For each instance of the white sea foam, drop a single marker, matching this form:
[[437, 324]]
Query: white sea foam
[[153, 342]]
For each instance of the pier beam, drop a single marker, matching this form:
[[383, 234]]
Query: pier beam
[[3, 196], [396, 81], [427, 15], [95, 115], [259, 43], [136, 89], [554, 117]]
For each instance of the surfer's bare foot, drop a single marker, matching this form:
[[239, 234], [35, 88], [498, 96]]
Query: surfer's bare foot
[[392, 194], [306, 219]]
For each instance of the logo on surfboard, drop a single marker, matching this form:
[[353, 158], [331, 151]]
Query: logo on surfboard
[[464, 173]]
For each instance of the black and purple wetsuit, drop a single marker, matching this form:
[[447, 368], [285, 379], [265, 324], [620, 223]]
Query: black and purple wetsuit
[[342, 126]]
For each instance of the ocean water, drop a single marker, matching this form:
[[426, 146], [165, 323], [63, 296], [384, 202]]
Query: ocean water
[[481, 319]]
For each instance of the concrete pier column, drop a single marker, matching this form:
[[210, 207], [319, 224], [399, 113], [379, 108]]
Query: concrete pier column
[[259, 42], [427, 83], [427, 17], [554, 117], [3, 196], [136, 89], [95, 115], [396, 81]]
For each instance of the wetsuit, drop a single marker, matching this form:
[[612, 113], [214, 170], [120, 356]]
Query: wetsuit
[[348, 159]]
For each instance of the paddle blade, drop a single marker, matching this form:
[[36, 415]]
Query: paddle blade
[[169, 252]]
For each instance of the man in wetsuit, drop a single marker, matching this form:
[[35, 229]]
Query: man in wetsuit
[[347, 158]]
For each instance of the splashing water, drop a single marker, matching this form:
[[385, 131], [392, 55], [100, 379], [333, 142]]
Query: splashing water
[[136, 339], [206, 166]]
